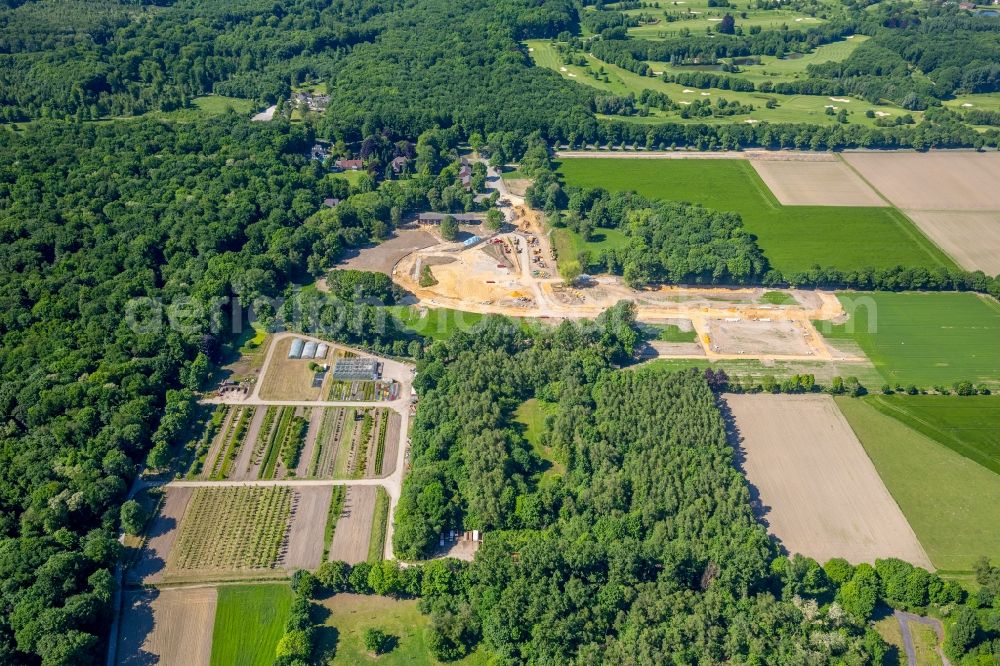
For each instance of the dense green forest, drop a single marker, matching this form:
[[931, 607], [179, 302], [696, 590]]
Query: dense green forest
[[401, 69], [645, 549], [129, 244], [127, 251]]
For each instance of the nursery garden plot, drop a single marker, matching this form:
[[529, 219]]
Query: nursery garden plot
[[231, 530], [351, 443], [362, 391], [280, 442]]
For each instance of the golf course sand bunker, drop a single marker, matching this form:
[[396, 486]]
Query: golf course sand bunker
[[814, 183], [814, 485]]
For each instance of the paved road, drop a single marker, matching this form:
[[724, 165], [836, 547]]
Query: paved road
[[904, 620]]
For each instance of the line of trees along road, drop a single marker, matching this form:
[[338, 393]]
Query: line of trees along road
[[400, 69]]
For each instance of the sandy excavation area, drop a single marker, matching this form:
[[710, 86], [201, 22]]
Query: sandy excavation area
[[354, 527], [168, 627], [813, 484], [814, 183], [748, 336]]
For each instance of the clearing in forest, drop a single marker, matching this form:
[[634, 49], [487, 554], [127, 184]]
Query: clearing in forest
[[168, 626], [812, 483], [794, 238], [950, 501]]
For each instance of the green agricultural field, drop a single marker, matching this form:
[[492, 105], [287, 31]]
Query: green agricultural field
[[794, 238], [790, 109], [925, 339], [249, 622], [949, 501], [352, 177], [351, 614], [968, 425]]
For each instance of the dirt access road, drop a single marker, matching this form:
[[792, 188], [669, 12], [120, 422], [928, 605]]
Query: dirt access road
[[470, 280], [904, 620]]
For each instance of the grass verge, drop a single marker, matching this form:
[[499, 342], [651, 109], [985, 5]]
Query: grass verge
[[376, 545]]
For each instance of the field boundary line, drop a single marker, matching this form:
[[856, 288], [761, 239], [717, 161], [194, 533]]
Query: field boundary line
[[761, 187], [867, 182], [907, 225], [857, 437], [933, 250], [932, 432]]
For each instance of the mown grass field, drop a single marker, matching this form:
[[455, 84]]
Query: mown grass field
[[569, 244], [434, 323], [968, 425], [790, 109], [794, 238], [924, 339], [949, 501], [351, 614], [531, 415], [249, 622]]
